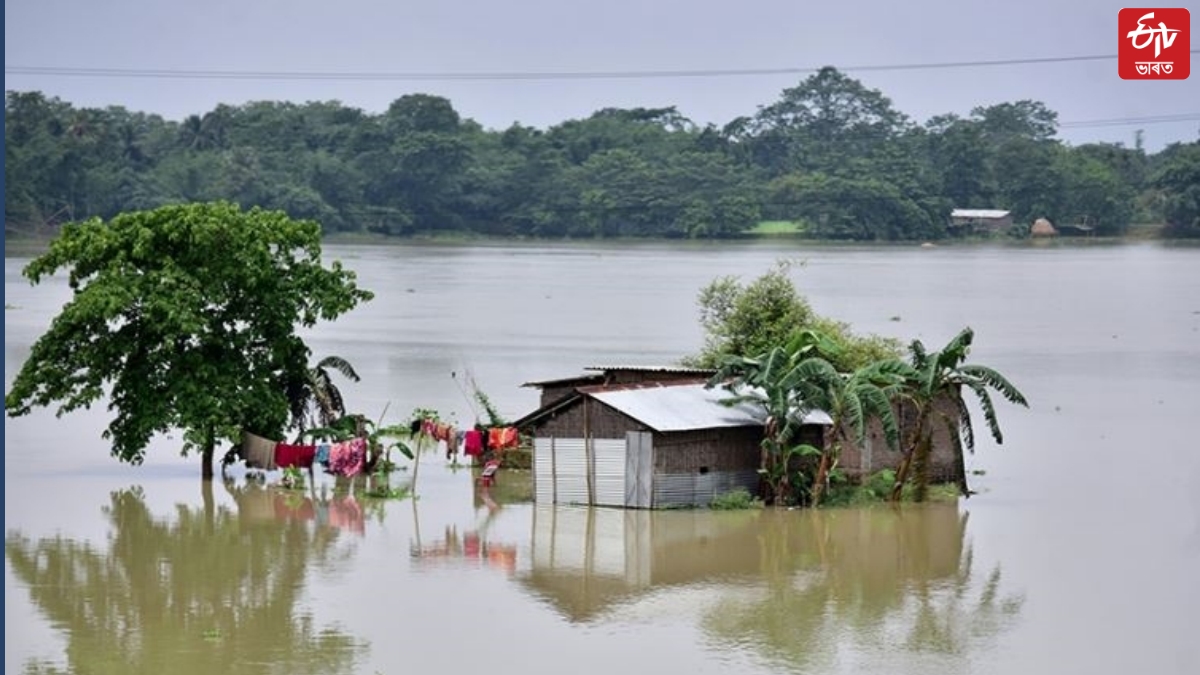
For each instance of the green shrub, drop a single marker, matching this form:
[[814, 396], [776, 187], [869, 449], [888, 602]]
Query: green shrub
[[735, 500]]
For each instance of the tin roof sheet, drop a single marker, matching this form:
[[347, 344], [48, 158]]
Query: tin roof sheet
[[687, 407], [654, 369], [978, 213]]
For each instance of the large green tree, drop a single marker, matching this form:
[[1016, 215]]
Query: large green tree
[[183, 317], [748, 319], [1179, 182]]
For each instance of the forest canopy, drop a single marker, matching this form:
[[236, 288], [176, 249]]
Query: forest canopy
[[830, 153]]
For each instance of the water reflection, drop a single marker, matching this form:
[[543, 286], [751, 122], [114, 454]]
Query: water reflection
[[210, 590], [793, 587], [262, 505], [472, 546]]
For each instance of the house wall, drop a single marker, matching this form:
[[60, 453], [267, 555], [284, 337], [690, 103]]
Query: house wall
[[874, 454], [691, 468], [553, 393], [602, 422]]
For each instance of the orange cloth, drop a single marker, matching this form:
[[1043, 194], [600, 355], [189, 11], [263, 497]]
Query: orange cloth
[[503, 438]]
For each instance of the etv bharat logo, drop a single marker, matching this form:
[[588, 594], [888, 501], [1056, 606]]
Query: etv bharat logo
[[1154, 44]]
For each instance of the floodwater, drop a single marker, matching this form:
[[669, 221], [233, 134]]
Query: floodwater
[[1079, 555]]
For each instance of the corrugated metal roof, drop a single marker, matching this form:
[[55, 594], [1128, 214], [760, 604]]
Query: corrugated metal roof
[[978, 213], [687, 407], [588, 377], [654, 369]]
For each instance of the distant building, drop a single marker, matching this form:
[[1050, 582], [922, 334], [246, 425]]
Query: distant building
[[981, 220]]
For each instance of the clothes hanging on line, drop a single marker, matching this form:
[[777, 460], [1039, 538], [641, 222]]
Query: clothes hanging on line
[[503, 438], [300, 456], [348, 457], [258, 452], [322, 456], [473, 443]]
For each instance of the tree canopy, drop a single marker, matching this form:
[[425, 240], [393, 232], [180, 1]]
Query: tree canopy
[[830, 153], [183, 317], [749, 319]]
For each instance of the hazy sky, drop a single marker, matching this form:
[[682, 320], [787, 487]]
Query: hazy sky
[[615, 35]]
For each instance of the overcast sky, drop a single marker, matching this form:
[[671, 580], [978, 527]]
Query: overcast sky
[[614, 35]]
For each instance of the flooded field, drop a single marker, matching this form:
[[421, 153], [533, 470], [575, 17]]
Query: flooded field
[[1079, 554]]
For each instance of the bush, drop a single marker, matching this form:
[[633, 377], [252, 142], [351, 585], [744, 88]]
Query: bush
[[735, 500]]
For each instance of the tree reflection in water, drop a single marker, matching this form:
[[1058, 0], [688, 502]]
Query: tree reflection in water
[[208, 591], [802, 588], [873, 585]]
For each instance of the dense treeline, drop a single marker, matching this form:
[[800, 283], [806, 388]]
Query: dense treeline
[[830, 152]]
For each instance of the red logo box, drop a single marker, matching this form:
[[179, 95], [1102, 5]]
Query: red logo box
[[1154, 43]]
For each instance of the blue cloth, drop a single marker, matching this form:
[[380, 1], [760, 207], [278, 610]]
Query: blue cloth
[[323, 455]]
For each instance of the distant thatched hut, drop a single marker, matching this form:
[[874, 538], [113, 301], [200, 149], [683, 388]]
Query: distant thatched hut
[[1042, 228]]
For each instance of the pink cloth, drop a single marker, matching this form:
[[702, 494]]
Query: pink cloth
[[348, 458], [473, 442]]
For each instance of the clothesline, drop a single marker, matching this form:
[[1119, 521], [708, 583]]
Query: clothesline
[[344, 458], [473, 442]]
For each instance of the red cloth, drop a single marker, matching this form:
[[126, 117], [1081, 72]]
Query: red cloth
[[473, 442], [287, 455]]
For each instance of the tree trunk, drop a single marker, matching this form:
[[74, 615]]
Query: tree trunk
[[906, 464], [206, 456], [921, 467], [819, 482], [210, 506], [961, 468]]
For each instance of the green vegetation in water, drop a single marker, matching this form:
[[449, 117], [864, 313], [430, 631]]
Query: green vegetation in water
[[292, 479], [771, 351], [735, 500], [227, 363], [877, 489]]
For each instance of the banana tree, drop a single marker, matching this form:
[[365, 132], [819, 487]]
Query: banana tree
[[852, 401], [314, 399], [943, 375], [783, 382]]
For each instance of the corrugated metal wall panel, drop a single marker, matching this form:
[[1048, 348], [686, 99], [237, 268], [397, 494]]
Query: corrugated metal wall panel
[[694, 489], [608, 456], [571, 463], [543, 471], [639, 469]]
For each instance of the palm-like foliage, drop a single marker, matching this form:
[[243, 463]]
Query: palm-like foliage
[[852, 401], [792, 380], [943, 375], [314, 398], [781, 382]]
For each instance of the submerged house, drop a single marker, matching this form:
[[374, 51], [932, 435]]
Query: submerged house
[[646, 438], [656, 437]]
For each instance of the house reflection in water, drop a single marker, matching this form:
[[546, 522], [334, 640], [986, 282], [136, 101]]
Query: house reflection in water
[[756, 570]]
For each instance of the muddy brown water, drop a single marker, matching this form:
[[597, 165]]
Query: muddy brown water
[[1080, 554]]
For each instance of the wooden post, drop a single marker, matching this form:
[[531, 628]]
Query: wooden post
[[589, 468], [553, 473]]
